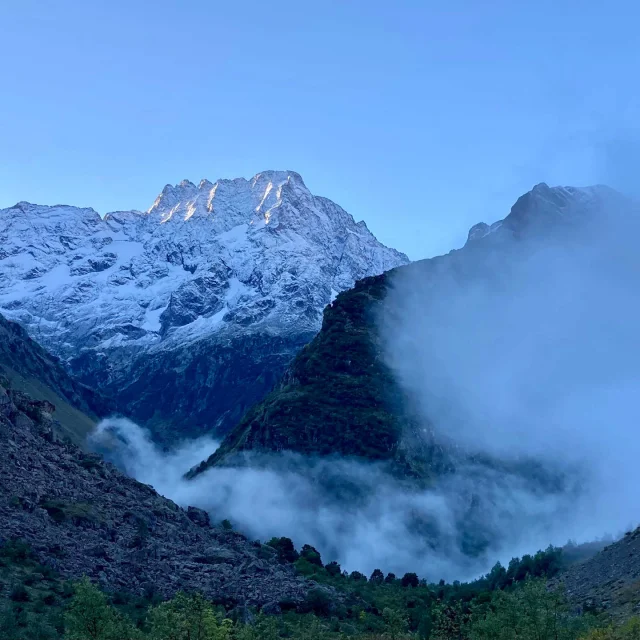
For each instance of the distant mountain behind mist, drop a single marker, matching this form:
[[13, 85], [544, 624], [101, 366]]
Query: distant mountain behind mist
[[453, 403], [187, 313], [339, 395]]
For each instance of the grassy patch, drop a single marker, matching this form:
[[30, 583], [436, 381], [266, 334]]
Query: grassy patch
[[79, 513]]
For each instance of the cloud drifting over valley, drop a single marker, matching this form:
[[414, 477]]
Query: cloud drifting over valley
[[536, 356], [523, 359]]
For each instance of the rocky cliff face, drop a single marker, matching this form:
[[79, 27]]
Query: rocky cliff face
[[187, 312], [83, 517]]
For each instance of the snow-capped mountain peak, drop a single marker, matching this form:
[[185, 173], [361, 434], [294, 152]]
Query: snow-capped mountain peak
[[216, 260], [229, 202]]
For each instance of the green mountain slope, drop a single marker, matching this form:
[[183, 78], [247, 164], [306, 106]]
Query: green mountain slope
[[338, 397]]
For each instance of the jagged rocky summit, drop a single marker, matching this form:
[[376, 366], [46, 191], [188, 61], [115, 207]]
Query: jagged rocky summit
[[189, 312]]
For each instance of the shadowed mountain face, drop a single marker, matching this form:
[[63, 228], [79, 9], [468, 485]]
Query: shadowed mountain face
[[337, 398], [189, 312]]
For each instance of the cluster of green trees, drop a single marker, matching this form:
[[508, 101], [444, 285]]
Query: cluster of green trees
[[308, 562], [528, 611], [89, 616], [509, 603]]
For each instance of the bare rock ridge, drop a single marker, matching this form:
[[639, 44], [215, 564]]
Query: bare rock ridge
[[81, 516], [190, 311]]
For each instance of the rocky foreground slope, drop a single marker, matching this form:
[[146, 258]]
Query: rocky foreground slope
[[189, 312], [608, 581], [81, 516]]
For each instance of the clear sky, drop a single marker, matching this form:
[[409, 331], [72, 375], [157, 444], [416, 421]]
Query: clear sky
[[420, 117]]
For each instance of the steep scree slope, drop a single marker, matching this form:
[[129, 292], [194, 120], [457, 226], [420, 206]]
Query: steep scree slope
[[610, 580]]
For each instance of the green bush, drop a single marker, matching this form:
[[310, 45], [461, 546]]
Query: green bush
[[16, 550], [90, 617], [377, 576], [410, 580], [356, 576], [79, 513], [319, 601], [19, 593], [530, 612], [311, 554], [284, 546]]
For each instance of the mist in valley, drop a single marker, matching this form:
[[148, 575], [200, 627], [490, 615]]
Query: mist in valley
[[533, 357], [529, 361], [352, 512]]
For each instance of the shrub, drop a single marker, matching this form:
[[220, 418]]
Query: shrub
[[90, 617], [79, 513], [629, 630], [286, 551], [311, 554], [19, 593], [530, 611], [410, 580], [16, 550], [396, 622], [48, 572], [142, 534], [304, 567], [188, 617], [319, 601], [377, 576]]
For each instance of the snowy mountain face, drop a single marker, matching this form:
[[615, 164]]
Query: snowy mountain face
[[188, 311]]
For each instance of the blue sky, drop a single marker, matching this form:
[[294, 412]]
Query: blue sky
[[420, 117]]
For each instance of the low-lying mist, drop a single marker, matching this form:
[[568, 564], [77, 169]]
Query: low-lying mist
[[534, 355], [353, 512], [519, 356]]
